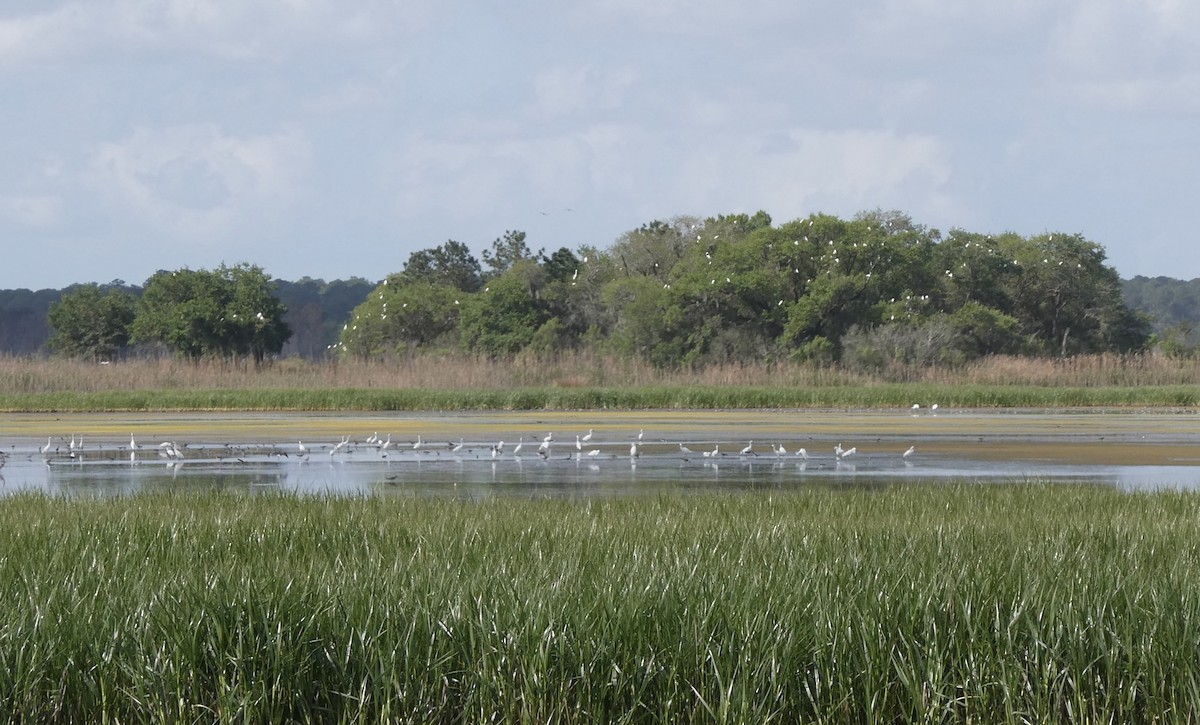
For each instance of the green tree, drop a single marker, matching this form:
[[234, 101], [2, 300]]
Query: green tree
[[1068, 301], [90, 322], [228, 312], [506, 252], [401, 316], [503, 318], [449, 264]]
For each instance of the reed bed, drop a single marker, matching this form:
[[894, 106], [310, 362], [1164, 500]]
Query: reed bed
[[583, 381], [948, 603], [569, 370]]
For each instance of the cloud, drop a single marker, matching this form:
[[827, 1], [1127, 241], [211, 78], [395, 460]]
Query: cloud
[[565, 90], [194, 180], [1124, 56], [32, 211], [794, 172], [265, 30]]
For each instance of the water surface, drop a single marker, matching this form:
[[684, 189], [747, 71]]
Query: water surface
[[1131, 450]]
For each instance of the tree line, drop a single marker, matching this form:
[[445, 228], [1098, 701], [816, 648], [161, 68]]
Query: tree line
[[871, 291]]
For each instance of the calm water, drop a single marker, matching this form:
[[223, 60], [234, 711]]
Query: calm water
[[261, 452]]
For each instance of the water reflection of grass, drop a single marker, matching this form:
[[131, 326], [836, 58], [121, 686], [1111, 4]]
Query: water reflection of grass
[[994, 603]]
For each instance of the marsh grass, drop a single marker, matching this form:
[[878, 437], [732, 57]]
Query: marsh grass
[[582, 381], [920, 604]]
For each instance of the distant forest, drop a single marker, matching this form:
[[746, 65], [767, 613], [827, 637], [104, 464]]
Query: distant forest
[[316, 311]]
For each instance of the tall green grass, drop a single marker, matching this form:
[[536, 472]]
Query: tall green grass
[[921, 604], [707, 397]]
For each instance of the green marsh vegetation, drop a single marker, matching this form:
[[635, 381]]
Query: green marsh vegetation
[[914, 604], [573, 381]]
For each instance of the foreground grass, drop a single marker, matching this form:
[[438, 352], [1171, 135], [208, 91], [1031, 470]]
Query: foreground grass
[[700, 397], [921, 604]]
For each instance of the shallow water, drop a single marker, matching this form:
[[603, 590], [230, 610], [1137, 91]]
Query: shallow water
[[260, 451]]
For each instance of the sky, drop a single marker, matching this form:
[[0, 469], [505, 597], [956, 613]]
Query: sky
[[332, 139]]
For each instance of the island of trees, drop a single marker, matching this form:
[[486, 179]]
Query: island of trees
[[871, 292]]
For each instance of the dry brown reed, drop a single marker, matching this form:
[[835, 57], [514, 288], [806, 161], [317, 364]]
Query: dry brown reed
[[20, 375]]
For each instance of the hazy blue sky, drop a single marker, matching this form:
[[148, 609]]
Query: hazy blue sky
[[332, 139]]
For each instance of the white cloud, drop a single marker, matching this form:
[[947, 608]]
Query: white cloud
[[32, 211], [804, 170], [196, 181], [1128, 56], [581, 89], [265, 30]]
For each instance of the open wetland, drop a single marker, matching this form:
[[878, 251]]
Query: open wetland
[[476, 455]]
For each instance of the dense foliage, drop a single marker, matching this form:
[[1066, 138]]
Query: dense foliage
[[91, 323], [872, 292], [875, 291], [1175, 305], [228, 312]]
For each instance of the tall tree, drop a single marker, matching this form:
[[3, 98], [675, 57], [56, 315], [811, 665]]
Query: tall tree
[[449, 264], [507, 251], [228, 312], [91, 323]]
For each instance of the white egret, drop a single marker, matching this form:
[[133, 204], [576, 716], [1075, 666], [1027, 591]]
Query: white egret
[[633, 450], [386, 444], [748, 449], [132, 443], [458, 448], [593, 453], [587, 437], [303, 449], [46, 448], [417, 446], [802, 453], [578, 443], [520, 445], [907, 454]]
